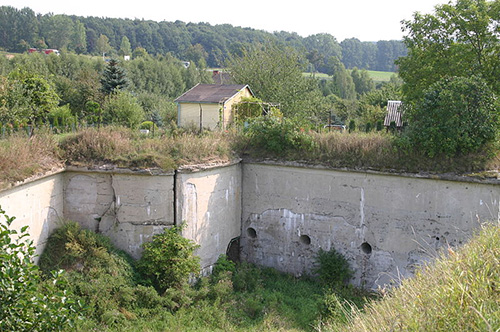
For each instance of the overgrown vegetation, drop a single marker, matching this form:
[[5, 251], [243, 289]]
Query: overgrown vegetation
[[236, 297], [458, 292], [127, 148], [168, 260], [27, 301]]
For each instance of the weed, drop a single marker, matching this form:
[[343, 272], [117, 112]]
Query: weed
[[332, 268]]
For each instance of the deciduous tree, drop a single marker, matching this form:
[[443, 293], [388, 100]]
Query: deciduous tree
[[274, 73], [460, 39], [456, 116]]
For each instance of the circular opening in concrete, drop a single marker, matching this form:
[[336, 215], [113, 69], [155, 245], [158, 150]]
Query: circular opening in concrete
[[305, 239], [251, 233], [366, 248]]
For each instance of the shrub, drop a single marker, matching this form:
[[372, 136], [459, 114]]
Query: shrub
[[247, 278], [352, 126], [222, 265], [149, 125], [279, 136], [121, 108], [455, 116], [248, 108], [27, 303], [333, 268], [94, 267], [168, 260]]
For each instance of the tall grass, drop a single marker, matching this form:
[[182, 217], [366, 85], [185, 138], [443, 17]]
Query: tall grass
[[126, 148], [379, 151], [22, 157], [459, 292]]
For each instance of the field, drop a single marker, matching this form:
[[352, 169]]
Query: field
[[380, 76], [377, 76]]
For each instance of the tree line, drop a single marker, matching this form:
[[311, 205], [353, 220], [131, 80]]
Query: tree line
[[202, 43]]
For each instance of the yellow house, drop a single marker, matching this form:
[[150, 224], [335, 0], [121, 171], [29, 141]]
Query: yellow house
[[210, 105]]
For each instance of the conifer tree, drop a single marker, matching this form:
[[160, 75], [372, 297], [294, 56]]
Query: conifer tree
[[113, 78]]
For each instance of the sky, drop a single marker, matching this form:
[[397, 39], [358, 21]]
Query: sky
[[367, 20]]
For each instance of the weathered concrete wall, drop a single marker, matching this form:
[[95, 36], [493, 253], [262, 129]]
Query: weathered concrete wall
[[125, 206], [385, 225], [209, 202], [38, 204]]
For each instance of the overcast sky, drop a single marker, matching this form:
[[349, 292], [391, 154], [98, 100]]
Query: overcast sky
[[367, 20]]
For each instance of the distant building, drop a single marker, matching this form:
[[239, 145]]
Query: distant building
[[210, 105], [394, 114], [44, 51]]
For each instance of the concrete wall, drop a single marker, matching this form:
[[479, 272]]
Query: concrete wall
[[128, 207], [209, 202], [38, 204], [385, 225]]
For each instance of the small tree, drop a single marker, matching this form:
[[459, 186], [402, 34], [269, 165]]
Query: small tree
[[456, 115], [125, 48], [352, 126], [30, 97], [113, 78]]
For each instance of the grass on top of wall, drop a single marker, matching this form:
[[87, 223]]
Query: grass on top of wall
[[380, 151], [458, 292], [126, 148], [22, 157]]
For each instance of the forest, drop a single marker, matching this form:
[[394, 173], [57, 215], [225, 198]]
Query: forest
[[201, 43]]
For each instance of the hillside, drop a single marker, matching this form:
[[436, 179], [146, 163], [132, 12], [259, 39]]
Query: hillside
[[196, 42]]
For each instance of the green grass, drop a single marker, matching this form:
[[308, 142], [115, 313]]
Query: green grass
[[376, 76], [380, 76]]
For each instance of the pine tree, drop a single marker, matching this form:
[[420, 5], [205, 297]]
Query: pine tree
[[113, 78]]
